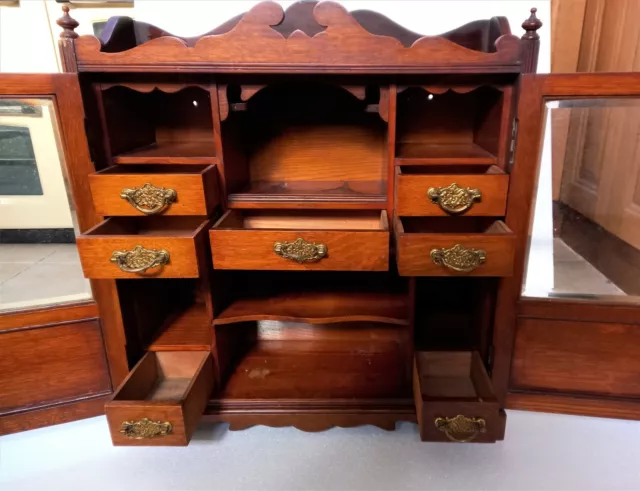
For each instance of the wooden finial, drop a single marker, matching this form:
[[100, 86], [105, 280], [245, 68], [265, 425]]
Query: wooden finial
[[531, 25], [68, 24]]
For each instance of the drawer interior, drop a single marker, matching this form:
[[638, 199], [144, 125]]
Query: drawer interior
[[148, 226], [304, 220], [162, 376], [452, 225], [410, 170], [456, 375], [135, 169]]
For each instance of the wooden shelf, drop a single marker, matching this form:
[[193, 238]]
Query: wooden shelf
[[317, 298], [190, 330], [295, 370], [442, 154], [312, 194], [192, 152]]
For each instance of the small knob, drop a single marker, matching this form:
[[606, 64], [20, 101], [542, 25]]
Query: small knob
[[531, 25], [68, 24]]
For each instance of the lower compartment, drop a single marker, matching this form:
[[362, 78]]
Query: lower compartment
[[285, 362]]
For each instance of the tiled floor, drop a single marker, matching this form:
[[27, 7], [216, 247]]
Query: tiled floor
[[40, 274]]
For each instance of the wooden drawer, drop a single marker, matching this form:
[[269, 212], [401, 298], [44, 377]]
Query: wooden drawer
[[133, 190], [453, 246], [454, 398], [476, 190], [162, 399], [168, 247], [301, 240]]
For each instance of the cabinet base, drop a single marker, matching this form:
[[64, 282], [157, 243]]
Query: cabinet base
[[307, 416]]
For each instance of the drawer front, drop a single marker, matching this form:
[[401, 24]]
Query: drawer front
[[158, 422], [455, 402], [150, 194], [477, 254], [300, 250], [447, 421], [444, 195], [52, 365], [98, 260]]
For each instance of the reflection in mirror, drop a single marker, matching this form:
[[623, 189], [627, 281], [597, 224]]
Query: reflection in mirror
[[39, 262], [585, 236]]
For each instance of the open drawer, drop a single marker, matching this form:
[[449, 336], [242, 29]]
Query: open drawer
[[301, 240], [454, 246], [144, 247], [162, 399], [137, 190], [455, 399], [474, 190]]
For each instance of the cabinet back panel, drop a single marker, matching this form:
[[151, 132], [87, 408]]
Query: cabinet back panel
[[313, 132]]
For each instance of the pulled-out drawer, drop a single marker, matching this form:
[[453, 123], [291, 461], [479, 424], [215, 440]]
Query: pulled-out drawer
[[144, 247], [301, 240], [454, 246], [162, 399], [474, 190], [136, 190], [454, 398]]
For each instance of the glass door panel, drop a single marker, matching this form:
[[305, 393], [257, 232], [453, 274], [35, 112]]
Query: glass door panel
[[585, 235], [39, 263]]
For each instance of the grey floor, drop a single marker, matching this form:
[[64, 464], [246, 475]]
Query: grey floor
[[541, 452]]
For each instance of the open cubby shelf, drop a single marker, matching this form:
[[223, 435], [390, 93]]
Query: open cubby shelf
[[304, 144], [190, 329], [449, 127], [316, 298], [345, 194], [158, 127]]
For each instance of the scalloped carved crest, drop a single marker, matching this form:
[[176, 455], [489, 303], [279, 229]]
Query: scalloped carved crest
[[343, 45]]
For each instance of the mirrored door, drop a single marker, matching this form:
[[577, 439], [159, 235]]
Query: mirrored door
[[39, 262], [567, 328]]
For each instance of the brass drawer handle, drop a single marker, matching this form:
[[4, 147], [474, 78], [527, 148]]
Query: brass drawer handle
[[149, 199], [461, 429], [300, 251], [145, 428], [459, 258], [453, 198], [139, 259]]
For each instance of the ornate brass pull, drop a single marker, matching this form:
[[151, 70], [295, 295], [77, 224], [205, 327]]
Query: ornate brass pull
[[453, 198], [461, 429], [149, 199], [459, 258], [145, 428], [139, 259], [300, 251]]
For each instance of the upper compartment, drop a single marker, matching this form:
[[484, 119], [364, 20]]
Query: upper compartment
[[157, 124], [311, 37], [297, 145]]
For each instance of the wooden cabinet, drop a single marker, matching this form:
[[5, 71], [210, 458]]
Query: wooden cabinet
[[317, 236]]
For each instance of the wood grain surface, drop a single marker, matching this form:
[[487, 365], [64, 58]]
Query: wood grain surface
[[52, 365]]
